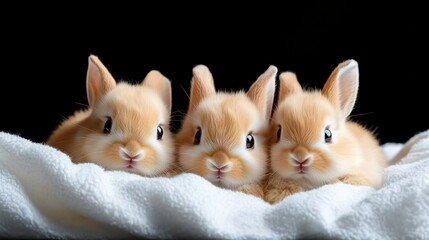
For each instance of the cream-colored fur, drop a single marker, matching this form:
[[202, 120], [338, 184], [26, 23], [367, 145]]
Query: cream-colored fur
[[223, 135], [136, 118], [301, 155]]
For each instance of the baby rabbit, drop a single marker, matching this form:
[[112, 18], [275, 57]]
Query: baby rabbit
[[223, 135], [125, 127], [314, 143]]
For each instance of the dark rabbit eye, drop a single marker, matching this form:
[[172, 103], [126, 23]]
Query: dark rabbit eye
[[328, 136], [197, 137], [250, 141], [279, 133], [159, 132], [107, 125]]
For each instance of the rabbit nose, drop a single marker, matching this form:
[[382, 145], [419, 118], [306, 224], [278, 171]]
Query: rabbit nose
[[132, 151], [219, 162], [300, 157], [131, 156], [302, 162]]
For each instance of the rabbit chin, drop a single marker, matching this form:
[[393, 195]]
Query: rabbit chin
[[226, 181], [311, 178], [138, 168], [144, 171]]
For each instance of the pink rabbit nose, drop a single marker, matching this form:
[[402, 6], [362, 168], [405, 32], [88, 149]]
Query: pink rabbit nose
[[219, 162], [132, 151], [129, 156], [300, 157], [304, 162]]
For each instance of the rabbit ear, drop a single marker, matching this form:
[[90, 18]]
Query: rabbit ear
[[288, 84], [342, 86], [262, 91], [155, 80], [98, 80], [202, 85]]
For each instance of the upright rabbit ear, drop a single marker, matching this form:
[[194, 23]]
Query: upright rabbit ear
[[342, 86], [288, 84], [202, 85], [98, 80], [262, 91], [155, 80]]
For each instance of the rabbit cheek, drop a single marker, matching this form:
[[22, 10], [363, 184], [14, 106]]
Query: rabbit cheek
[[110, 158], [192, 159], [200, 167], [238, 170], [280, 163], [148, 164], [144, 162], [320, 165]]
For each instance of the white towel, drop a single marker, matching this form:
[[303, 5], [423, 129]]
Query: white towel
[[44, 195]]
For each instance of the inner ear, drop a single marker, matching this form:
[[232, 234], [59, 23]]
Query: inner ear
[[98, 80], [288, 85], [202, 86], [162, 85], [261, 92], [342, 86]]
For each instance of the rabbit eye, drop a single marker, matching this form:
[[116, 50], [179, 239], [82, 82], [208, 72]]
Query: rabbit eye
[[279, 133], [107, 125], [159, 132], [197, 137], [328, 136], [250, 141]]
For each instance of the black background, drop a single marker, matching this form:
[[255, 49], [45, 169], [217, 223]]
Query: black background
[[45, 49]]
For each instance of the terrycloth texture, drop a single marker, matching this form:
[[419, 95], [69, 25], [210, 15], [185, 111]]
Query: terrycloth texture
[[44, 195]]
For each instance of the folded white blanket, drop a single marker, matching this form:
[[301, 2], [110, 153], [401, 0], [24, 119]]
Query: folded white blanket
[[44, 195]]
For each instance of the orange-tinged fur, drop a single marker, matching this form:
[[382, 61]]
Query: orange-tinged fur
[[225, 120], [137, 111], [301, 159]]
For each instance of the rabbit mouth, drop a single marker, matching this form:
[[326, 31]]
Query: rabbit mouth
[[218, 174], [218, 177], [302, 170], [130, 164]]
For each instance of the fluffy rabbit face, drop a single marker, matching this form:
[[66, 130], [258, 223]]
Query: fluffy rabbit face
[[305, 129], [133, 134], [225, 141]]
